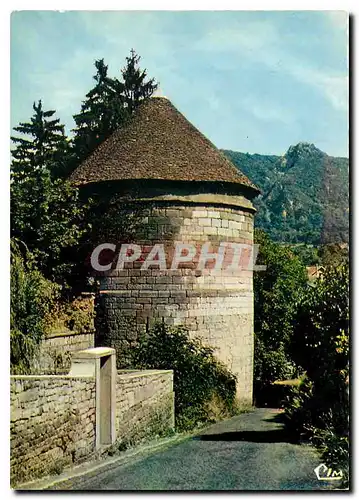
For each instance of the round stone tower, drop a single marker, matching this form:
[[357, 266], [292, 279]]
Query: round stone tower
[[185, 213]]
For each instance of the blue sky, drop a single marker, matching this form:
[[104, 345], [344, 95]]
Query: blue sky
[[254, 81]]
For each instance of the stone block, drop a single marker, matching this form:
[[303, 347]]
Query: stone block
[[199, 213], [148, 293], [216, 222], [204, 221]]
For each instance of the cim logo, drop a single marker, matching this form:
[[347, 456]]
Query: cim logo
[[325, 473]]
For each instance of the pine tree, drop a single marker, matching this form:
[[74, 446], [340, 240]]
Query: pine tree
[[109, 105], [47, 146], [101, 112], [136, 88], [45, 212]]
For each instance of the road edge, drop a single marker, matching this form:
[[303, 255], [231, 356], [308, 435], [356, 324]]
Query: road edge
[[96, 466]]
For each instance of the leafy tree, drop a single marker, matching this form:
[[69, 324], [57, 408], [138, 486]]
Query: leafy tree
[[307, 253], [321, 332], [32, 298], [109, 104], [333, 254], [320, 345], [46, 213], [276, 292]]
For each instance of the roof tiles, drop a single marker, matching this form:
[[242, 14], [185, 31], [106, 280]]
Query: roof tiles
[[158, 143]]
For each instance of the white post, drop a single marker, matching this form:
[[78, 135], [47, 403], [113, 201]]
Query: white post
[[100, 362]]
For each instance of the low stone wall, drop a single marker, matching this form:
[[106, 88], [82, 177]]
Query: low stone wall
[[54, 355], [53, 417], [52, 424], [144, 404]]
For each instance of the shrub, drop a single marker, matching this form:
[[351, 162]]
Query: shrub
[[298, 410], [76, 315], [32, 298], [200, 380], [276, 293], [321, 329], [335, 451], [321, 347]]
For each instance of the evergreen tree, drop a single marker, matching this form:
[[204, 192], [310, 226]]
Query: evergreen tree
[[45, 212], [101, 113], [136, 88], [109, 105], [47, 146]]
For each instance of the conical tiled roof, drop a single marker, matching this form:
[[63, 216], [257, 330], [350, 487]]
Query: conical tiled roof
[[158, 143]]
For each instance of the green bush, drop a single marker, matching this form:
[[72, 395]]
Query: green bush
[[321, 328], [76, 315], [335, 451], [276, 293], [320, 408], [299, 411], [32, 298], [204, 388], [306, 420]]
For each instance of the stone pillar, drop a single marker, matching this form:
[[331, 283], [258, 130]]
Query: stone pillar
[[100, 362]]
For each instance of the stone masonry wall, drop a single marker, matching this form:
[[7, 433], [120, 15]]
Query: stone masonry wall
[[53, 418], [52, 424], [144, 404], [216, 307], [54, 356]]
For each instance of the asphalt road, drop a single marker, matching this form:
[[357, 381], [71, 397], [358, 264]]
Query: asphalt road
[[248, 452]]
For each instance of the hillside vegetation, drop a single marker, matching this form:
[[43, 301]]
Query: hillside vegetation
[[305, 194]]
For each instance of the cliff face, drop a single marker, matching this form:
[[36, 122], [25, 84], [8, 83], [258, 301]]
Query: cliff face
[[305, 194]]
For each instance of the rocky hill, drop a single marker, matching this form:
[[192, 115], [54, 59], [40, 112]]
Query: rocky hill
[[305, 194]]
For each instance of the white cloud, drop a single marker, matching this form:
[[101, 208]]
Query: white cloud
[[244, 37], [334, 87], [218, 43], [267, 111], [262, 43]]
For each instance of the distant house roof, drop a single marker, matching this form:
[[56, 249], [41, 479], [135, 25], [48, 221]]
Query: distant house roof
[[158, 143], [314, 272]]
